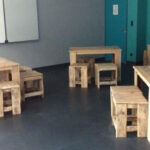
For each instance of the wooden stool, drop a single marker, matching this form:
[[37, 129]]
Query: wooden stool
[[124, 98], [35, 90], [107, 80], [91, 62], [78, 74], [25, 68], [15, 102]]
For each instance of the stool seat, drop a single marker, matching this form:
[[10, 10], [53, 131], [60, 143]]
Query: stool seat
[[128, 95], [105, 66], [25, 68], [8, 85], [30, 73]]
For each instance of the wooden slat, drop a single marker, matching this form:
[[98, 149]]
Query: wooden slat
[[32, 94], [1, 104], [8, 85], [16, 100], [8, 108], [121, 119], [106, 66], [131, 128], [142, 120]]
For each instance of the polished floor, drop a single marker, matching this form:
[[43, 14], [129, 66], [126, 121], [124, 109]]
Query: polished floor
[[67, 119]]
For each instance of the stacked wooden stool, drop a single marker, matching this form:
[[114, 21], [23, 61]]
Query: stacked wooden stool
[[123, 99], [78, 75], [106, 80], [31, 83]]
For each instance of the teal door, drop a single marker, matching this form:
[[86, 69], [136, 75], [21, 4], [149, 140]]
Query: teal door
[[116, 25]]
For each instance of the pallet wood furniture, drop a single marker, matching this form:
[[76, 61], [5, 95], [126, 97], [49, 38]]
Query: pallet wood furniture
[[146, 56], [91, 62], [102, 50], [143, 72], [15, 105], [8, 66], [29, 76], [106, 80], [122, 99], [78, 75]]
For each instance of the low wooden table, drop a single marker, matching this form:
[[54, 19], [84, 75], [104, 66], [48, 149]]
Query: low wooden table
[[144, 73], [102, 50], [13, 67]]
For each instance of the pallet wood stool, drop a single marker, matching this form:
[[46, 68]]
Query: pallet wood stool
[[91, 62], [33, 76], [123, 99], [14, 104], [78, 75], [107, 80], [25, 68]]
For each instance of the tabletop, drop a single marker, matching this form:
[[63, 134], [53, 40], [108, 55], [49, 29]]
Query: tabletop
[[99, 48], [144, 73], [4, 62]]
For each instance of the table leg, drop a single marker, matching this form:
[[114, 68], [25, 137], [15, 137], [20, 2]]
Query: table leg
[[135, 78], [117, 61], [148, 133], [73, 58]]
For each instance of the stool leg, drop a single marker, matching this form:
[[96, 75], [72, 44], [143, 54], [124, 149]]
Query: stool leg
[[116, 76], [72, 77], [84, 78], [112, 108], [42, 87], [98, 79], [95, 75], [121, 120], [16, 101], [142, 115], [1, 104], [22, 91]]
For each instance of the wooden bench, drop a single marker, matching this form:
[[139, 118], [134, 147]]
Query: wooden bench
[[78, 75], [14, 104], [35, 90], [106, 80], [123, 99]]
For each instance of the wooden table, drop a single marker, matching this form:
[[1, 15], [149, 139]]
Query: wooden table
[[102, 50], [144, 73], [13, 67]]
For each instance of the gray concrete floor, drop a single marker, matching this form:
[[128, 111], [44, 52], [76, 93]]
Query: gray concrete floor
[[67, 119]]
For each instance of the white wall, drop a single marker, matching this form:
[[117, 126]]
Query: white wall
[[62, 23]]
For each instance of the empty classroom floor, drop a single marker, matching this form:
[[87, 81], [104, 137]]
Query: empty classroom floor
[[67, 119]]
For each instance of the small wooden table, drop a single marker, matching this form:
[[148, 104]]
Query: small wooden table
[[102, 50], [13, 67], [144, 73]]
